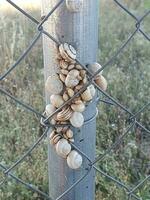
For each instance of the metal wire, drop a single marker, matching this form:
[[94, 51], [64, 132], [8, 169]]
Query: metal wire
[[134, 123]]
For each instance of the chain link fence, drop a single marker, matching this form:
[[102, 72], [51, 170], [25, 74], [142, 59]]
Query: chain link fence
[[132, 121]]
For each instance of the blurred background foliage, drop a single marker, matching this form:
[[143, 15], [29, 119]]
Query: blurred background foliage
[[128, 80]]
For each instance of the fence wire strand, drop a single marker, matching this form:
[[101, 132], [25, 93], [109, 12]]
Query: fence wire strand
[[133, 122]]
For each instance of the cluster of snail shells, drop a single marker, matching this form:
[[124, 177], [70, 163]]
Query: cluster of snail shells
[[60, 138], [61, 87]]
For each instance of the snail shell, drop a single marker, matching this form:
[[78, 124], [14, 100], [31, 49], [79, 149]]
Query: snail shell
[[78, 67], [74, 5], [71, 79], [52, 134], [63, 64], [53, 85], [86, 95], [56, 138], [101, 82], [62, 77], [71, 140], [64, 115], [78, 107], [69, 133], [67, 52], [56, 100], [70, 67], [82, 73], [70, 92], [78, 87], [63, 148], [64, 71], [92, 90], [94, 67], [78, 101], [65, 97], [49, 109], [70, 50], [53, 121], [74, 160], [77, 119]]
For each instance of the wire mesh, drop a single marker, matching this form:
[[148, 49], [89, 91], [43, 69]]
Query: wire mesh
[[133, 122]]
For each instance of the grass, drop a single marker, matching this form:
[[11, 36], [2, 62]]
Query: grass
[[128, 80]]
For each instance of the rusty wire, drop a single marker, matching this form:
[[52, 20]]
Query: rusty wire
[[133, 122]]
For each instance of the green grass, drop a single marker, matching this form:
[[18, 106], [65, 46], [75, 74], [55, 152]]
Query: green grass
[[128, 80]]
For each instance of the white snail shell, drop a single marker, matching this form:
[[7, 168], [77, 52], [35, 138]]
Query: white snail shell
[[74, 5], [72, 78], [74, 160], [94, 67], [49, 109], [67, 52], [78, 107], [56, 100], [53, 85], [92, 90], [101, 82], [63, 148], [77, 119], [70, 50]]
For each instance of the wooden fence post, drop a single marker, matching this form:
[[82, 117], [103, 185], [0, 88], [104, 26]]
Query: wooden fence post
[[80, 29]]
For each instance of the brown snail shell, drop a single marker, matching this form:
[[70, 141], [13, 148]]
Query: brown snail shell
[[77, 119], [63, 148], [82, 73], [70, 92], [69, 133], [101, 82], [65, 97], [79, 67], [56, 100], [52, 134], [78, 101], [63, 64], [53, 85], [74, 160], [65, 136], [64, 71], [65, 114], [56, 138], [78, 87], [86, 95], [70, 67], [62, 77]]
